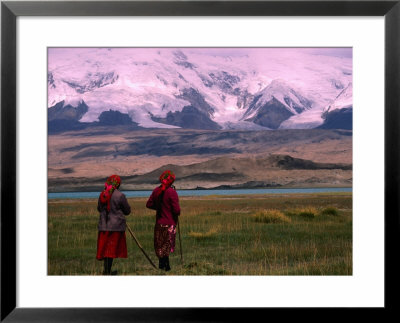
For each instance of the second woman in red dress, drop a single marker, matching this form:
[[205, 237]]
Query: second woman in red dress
[[164, 199]]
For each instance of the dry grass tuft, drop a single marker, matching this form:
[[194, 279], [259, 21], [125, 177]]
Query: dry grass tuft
[[270, 216], [330, 211], [199, 235], [306, 212]]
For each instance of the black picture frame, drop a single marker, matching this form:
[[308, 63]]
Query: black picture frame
[[10, 10]]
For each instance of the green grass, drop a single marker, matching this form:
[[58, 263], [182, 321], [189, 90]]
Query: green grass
[[330, 211], [236, 235]]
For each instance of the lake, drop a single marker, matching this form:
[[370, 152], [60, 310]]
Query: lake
[[77, 195]]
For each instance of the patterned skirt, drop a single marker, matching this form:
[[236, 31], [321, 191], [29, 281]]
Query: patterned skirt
[[111, 244], [164, 239]]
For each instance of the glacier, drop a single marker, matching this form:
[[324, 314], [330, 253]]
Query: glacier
[[230, 86]]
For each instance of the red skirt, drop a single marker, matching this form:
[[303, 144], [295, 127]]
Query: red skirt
[[111, 244]]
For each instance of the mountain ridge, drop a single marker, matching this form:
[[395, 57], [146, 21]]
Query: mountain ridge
[[225, 172], [313, 157], [155, 86]]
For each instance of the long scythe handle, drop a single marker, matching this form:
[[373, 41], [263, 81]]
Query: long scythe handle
[[180, 241], [140, 247]]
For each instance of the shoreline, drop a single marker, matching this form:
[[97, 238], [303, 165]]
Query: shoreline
[[200, 188], [205, 193]]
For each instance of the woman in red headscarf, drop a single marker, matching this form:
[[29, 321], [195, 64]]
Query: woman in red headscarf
[[165, 201], [113, 207]]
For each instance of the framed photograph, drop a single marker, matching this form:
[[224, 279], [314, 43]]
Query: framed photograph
[[230, 102]]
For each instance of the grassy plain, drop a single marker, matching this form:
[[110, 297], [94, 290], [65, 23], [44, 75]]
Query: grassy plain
[[292, 234]]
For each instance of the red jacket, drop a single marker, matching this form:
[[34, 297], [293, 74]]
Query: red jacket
[[170, 209]]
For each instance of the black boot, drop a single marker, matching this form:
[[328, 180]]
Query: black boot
[[161, 263], [107, 266], [167, 267]]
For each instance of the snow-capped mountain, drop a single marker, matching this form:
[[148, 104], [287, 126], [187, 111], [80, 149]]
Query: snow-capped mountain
[[339, 114], [343, 101], [201, 88], [275, 104]]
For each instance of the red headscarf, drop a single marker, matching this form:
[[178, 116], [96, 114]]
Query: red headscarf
[[166, 180], [112, 183]]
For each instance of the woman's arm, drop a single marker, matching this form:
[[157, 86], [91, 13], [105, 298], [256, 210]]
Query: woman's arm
[[125, 207], [174, 200], [99, 206], [150, 202]]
